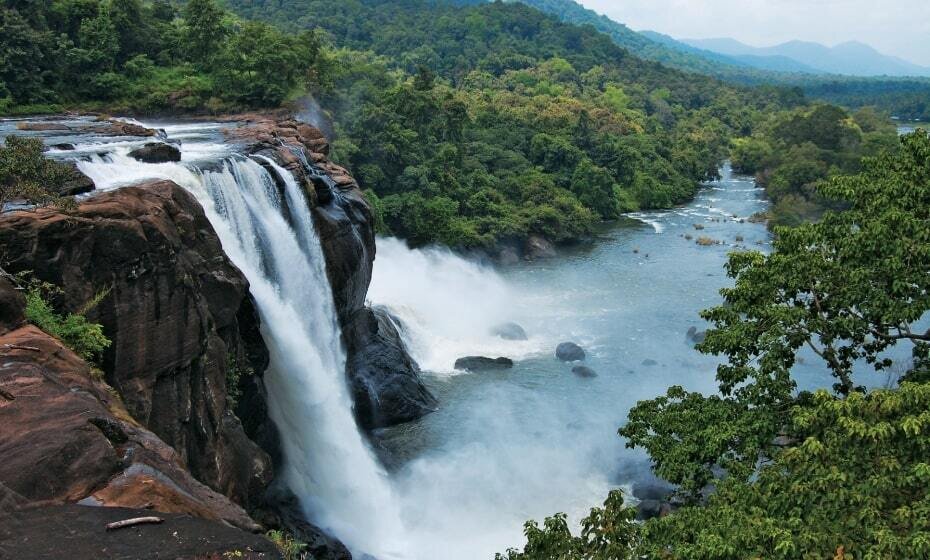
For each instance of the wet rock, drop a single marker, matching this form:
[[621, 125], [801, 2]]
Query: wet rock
[[584, 371], [67, 147], [480, 363], [67, 438], [649, 362], [75, 182], [284, 511], [177, 312], [569, 352], [509, 331], [696, 336], [41, 126], [156, 152], [538, 247], [384, 378]]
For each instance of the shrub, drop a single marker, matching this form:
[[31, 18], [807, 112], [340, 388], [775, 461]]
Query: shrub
[[291, 548], [74, 330]]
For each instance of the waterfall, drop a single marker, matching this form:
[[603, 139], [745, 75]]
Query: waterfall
[[271, 238]]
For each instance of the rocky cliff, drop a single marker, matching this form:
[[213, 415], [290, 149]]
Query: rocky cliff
[[176, 309]]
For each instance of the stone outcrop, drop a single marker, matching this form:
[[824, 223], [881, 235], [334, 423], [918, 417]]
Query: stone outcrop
[[481, 363], [384, 379], [75, 182], [569, 352], [74, 441], [177, 311], [156, 152]]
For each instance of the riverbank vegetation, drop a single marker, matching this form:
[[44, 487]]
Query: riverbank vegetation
[[765, 470]]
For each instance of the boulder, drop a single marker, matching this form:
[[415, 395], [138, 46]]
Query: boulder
[[649, 362], [480, 363], [75, 182], [178, 313], [65, 146], [156, 152], [695, 335], [42, 126], [538, 247], [384, 378], [67, 438], [569, 352], [584, 371], [509, 331]]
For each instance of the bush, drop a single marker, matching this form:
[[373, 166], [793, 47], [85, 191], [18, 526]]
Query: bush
[[74, 330]]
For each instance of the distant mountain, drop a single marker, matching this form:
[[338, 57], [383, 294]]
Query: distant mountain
[[851, 59]]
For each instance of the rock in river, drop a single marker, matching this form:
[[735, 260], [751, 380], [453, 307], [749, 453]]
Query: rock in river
[[156, 152], [584, 371], [480, 363], [509, 331], [569, 352]]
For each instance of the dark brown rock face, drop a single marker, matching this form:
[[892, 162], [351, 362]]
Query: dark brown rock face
[[156, 152], [178, 313], [65, 437], [79, 533], [385, 380], [383, 377]]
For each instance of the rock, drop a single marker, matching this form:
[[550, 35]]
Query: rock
[[177, 312], [67, 438], [569, 352], [12, 306], [76, 182], [156, 152], [42, 126], [67, 147], [480, 363], [509, 331], [508, 256], [49, 532], [538, 247], [113, 127], [696, 336], [584, 371], [285, 512], [384, 378], [649, 362]]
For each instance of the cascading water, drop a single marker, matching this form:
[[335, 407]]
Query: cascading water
[[271, 238]]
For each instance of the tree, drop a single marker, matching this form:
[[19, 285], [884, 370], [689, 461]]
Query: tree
[[204, 30], [25, 175]]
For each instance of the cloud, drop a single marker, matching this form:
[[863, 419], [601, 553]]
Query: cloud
[[897, 27]]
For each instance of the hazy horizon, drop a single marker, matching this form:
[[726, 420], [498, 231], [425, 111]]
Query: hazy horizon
[[901, 31]]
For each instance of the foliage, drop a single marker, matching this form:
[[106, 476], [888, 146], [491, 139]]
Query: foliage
[[608, 533], [74, 330], [234, 375], [291, 548], [28, 176], [134, 55]]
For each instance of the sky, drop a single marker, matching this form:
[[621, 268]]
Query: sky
[[896, 27]]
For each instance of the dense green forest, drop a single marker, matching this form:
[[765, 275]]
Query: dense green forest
[[906, 98], [145, 56]]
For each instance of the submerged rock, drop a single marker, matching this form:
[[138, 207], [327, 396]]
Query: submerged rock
[[480, 363], [649, 362], [696, 336], [65, 146], [584, 371], [509, 331], [569, 352], [156, 152], [384, 378]]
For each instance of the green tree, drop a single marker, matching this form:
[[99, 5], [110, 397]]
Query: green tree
[[25, 175], [204, 30]]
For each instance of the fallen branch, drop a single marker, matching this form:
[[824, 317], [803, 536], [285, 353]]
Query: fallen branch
[[132, 522], [21, 347]]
